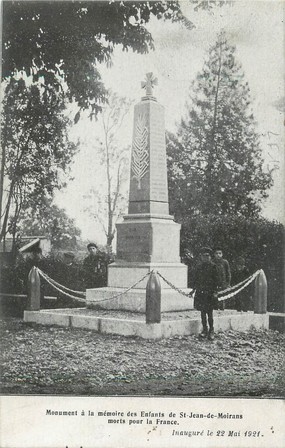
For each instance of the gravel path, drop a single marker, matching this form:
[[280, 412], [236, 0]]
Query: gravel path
[[54, 360]]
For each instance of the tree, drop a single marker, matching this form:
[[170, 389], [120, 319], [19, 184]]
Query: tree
[[215, 161], [108, 200], [68, 40], [50, 220], [36, 146]]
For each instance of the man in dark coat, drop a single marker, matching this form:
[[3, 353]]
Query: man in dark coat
[[206, 283], [224, 272], [94, 268]]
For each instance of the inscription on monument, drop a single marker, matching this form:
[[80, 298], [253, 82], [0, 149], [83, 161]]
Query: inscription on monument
[[140, 154], [158, 178], [134, 239]]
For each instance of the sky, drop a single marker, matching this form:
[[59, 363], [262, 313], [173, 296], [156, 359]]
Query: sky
[[255, 28]]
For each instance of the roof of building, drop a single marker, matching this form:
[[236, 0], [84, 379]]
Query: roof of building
[[30, 246]]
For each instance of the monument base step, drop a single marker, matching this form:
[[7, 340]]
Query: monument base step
[[122, 274], [84, 319], [135, 299]]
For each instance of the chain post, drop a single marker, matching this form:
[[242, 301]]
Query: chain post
[[153, 299], [34, 290], [260, 293]]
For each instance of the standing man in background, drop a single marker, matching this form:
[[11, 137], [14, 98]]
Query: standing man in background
[[240, 273], [224, 272], [95, 268]]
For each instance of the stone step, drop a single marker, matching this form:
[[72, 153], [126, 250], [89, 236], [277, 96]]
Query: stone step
[[82, 318]]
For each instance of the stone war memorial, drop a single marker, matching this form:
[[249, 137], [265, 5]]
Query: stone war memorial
[[147, 293], [148, 238]]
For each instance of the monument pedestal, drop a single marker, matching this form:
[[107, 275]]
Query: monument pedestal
[[145, 243], [148, 238], [122, 275]]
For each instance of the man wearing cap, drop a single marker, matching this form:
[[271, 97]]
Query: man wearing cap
[[206, 283], [94, 268]]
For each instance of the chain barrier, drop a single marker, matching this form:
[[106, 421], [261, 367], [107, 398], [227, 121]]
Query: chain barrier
[[59, 285], [234, 289], [126, 290], [231, 288], [189, 294], [232, 294], [50, 281]]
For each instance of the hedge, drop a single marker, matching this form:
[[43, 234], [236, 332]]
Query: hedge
[[259, 241]]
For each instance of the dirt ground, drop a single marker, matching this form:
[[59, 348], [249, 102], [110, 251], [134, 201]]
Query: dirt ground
[[54, 360]]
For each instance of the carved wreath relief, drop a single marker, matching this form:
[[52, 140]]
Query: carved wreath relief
[[140, 154]]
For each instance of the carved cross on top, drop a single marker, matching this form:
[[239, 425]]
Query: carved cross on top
[[149, 83]]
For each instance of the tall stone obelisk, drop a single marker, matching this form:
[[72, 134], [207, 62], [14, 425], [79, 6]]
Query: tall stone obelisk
[[148, 238]]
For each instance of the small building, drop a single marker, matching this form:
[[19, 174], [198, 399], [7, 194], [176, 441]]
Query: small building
[[27, 246], [35, 244]]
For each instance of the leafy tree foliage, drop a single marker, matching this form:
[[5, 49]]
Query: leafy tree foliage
[[215, 161], [36, 147], [67, 40], [50, 220]]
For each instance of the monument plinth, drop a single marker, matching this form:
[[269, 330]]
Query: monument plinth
[[148, 238]]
